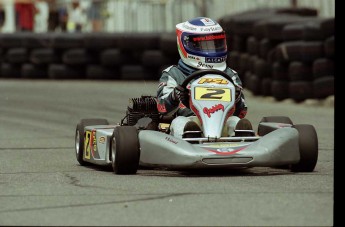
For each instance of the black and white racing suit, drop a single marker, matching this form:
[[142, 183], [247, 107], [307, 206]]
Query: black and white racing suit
[[176, 74]]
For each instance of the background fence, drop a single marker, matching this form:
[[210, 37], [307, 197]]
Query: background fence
[[161, 15]]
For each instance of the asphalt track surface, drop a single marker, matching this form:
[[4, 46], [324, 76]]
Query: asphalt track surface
[[42, 184]]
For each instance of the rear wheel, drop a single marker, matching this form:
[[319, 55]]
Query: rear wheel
[[308, 148], [125, 150], [79, 136]]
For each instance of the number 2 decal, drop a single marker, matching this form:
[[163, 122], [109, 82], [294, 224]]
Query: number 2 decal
[[213, 94], [210, 94]]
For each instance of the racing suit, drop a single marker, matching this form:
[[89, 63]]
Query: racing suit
[[174, 75]]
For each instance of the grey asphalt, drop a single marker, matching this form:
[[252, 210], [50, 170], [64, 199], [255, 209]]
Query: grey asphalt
[[42, 184]]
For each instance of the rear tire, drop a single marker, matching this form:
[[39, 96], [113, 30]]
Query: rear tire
[[125, 150], [79, 136], [308, 147]]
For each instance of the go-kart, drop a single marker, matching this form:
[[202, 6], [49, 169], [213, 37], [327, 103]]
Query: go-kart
[[142, 138]]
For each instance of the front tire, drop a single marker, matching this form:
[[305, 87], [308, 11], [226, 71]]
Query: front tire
[[263, 130], [308, 148], [79, 136], [125, 150]]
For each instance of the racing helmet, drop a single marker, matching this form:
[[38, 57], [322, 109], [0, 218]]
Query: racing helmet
[[202, 44]]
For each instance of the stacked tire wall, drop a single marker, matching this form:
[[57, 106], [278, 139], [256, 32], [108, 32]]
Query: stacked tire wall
[[99, 56], [284, 53]]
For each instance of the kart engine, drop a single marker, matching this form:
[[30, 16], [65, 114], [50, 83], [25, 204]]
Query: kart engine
[[145, 106]]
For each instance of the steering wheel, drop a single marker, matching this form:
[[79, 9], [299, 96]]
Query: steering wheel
[[201, 73]]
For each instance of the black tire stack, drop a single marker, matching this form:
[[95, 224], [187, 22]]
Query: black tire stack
[[94, 56], [279, 52], [284, 53]]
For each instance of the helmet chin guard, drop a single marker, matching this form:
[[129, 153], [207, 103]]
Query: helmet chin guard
[[202, 44]]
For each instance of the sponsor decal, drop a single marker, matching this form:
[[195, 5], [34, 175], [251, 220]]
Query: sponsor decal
[[209, 37], [223, 145], [207, 21], [193, 57], [102, 139], [171, 140], [206, 80], [215, 60], [211, 94], [87, 147], [202, 65], [213, 109], [188, 27], [225, 151], [161, 108], [94, 142], [211, 29]]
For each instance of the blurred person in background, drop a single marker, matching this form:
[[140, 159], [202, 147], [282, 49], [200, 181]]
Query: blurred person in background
[[25, 11], [63, 16], [76, 18], [53, 15], [94, 15], [57, 16]]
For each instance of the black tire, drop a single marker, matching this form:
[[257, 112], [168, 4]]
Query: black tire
[[101, 41], [293, 31], [64, 40], [44, 56], [8, 70], [125, 150], [139, 41], [301, 90], [65, 72], [323, 67], [262, 68], [99, 72], [263, 130], [252, 45], [233, 60], [308, 146], [323, 87], [168, 44], [300, 71], [137, 72], [280, 89], [280, 71], [77, 57], [79, 136], [329, 47], [31, 71], [17, 55]]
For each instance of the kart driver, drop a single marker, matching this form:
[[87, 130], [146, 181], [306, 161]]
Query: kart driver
[[201, 43]]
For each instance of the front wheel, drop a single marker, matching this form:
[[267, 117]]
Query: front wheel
[[125, 150], [308, 148], [264, 129]]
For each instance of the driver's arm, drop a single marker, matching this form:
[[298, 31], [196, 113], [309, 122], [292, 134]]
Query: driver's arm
[[166, 104]]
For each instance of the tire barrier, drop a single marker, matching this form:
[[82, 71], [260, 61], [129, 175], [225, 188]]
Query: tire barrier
[[283, 52]]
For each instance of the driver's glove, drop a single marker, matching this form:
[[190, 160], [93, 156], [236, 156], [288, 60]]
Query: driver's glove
[[181, 94], [238, 93]]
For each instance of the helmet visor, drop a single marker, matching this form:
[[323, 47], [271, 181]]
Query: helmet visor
[[211, 43]]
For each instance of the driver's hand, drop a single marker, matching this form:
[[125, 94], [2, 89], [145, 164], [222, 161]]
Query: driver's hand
[[238, 93], [181, 94]]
